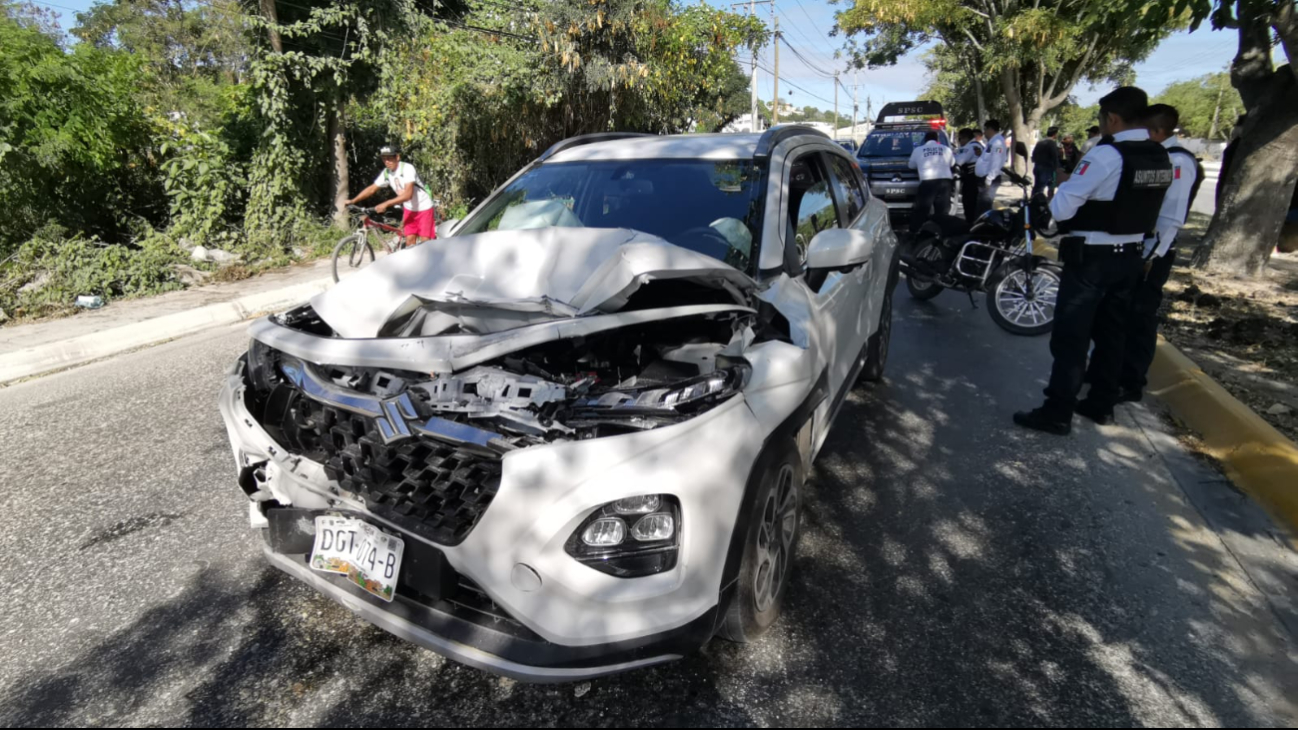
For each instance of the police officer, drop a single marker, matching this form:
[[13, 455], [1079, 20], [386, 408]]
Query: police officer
[[1106, 210], [934, 161], [1160, 253], [990, 164], [966, 158]]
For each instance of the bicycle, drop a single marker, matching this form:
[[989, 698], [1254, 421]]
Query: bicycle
[[357, 246]]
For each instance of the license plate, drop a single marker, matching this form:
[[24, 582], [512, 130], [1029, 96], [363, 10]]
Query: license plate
[[895, 192], [369, 558]]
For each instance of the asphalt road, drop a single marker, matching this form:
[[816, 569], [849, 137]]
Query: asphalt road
[[953, 571]]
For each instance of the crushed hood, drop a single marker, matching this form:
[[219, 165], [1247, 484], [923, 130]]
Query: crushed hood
[[546, 273]]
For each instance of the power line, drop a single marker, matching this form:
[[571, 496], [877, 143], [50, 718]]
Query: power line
[[806, 62], [799, 88]]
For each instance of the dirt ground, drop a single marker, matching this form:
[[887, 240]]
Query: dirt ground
[[1243, 334]]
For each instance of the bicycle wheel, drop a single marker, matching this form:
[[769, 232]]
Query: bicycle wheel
[[355, 251]]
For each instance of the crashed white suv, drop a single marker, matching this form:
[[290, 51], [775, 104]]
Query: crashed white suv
[[570, 439]]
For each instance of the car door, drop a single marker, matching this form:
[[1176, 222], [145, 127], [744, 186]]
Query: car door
[[814, 206], [856, 316]]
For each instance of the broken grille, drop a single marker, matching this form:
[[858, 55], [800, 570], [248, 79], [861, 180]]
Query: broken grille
[[427, 487]]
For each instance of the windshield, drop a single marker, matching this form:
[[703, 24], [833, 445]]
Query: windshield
[[895, 143], [706, 206]]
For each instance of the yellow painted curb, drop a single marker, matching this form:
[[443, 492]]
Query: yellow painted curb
[[1257, 458]]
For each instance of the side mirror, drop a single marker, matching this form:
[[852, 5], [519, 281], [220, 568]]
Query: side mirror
[[838, 248], [447, 228]]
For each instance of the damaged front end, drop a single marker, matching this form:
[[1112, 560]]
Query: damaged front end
[[423, 449]]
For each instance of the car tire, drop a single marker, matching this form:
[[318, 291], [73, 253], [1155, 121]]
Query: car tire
[[877, 346], [769, 548]]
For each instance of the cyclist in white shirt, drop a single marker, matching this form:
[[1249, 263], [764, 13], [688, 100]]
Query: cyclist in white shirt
[[934, 161], [419, 220]]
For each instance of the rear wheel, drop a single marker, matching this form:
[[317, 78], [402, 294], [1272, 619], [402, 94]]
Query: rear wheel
[[768, 549], [925, 288], [351, 253], [1022, 310]]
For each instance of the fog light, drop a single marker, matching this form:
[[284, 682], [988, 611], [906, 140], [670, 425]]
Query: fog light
[[642, 505], [605, 532], [658, 526]]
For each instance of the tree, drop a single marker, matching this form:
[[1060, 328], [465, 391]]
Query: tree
[[1208, 105], [1259, 186], [75, 143], [1038, 52]]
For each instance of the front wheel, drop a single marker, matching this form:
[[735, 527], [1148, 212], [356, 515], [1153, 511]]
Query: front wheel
[[1022, 310], [769, 544], [354, 251], [876, 348], [929, 256]]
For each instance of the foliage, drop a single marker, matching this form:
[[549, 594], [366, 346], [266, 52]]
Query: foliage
[[74, 139], [472, 106], [1200, 100], [1038, 53], [47, 273], [204, 183]]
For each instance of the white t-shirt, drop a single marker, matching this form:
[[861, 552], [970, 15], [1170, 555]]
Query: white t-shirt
[[1176, 205], [398, 180], [934, 161]]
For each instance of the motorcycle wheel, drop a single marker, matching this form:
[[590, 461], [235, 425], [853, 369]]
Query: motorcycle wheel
[[1010, 306], [925, 290]]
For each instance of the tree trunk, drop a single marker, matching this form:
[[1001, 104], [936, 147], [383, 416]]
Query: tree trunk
[[982, 105], [269, 12], [1014, 98], [1260, 183], [342, 184], [1259, 188]]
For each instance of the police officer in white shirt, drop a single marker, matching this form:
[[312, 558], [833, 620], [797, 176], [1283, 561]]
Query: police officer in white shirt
[[966, 159], [990, 165], [1105, 210], [1142, 325], [934, 161]]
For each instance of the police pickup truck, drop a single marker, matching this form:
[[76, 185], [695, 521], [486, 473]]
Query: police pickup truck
[[883, 156]]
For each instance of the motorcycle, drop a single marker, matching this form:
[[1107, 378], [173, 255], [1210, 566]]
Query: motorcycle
[[994, 256]]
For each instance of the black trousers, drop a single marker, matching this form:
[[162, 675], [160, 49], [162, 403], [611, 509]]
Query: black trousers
[[970, 187], [932, 194], [1142, 323], [1094, 304]]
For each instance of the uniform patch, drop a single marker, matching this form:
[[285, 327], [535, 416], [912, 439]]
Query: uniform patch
[[1081, 169], [1177, 175]]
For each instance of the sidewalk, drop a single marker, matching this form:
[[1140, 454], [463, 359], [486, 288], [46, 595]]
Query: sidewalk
[[41, 347]]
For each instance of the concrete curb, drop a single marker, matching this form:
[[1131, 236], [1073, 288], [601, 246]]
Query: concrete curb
[[1256, 457], [58, 355]]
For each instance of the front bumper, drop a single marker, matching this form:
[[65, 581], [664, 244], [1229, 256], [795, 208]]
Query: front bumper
[[585, 623], [509, 653]]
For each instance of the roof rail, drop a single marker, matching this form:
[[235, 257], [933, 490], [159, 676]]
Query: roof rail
[[580, 140], [775, 135]]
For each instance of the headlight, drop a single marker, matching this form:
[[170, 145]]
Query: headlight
[[631, 537], [681, 397]]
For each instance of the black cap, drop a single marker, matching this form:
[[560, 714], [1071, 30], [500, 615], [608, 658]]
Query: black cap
[[389, 150]]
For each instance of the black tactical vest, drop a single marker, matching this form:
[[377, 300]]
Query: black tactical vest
[[1146, 176], [1198, 174]]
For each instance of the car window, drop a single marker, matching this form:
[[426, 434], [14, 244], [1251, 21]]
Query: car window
[[811, 204], [708, 206], [847, 180]]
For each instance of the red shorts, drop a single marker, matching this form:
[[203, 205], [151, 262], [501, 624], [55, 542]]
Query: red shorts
[[422, 224]]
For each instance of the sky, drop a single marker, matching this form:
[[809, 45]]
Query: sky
[[806, 25]]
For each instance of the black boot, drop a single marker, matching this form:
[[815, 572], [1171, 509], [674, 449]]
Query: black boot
[[1042, 420], [1101, 414]]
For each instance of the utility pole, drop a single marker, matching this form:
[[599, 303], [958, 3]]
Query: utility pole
[[836, 106], [752, 10], [775, 109], [855, 106]]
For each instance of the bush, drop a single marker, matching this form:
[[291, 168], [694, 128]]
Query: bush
[[46, 274]]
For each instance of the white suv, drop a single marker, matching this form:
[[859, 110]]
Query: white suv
[[570, 438]]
